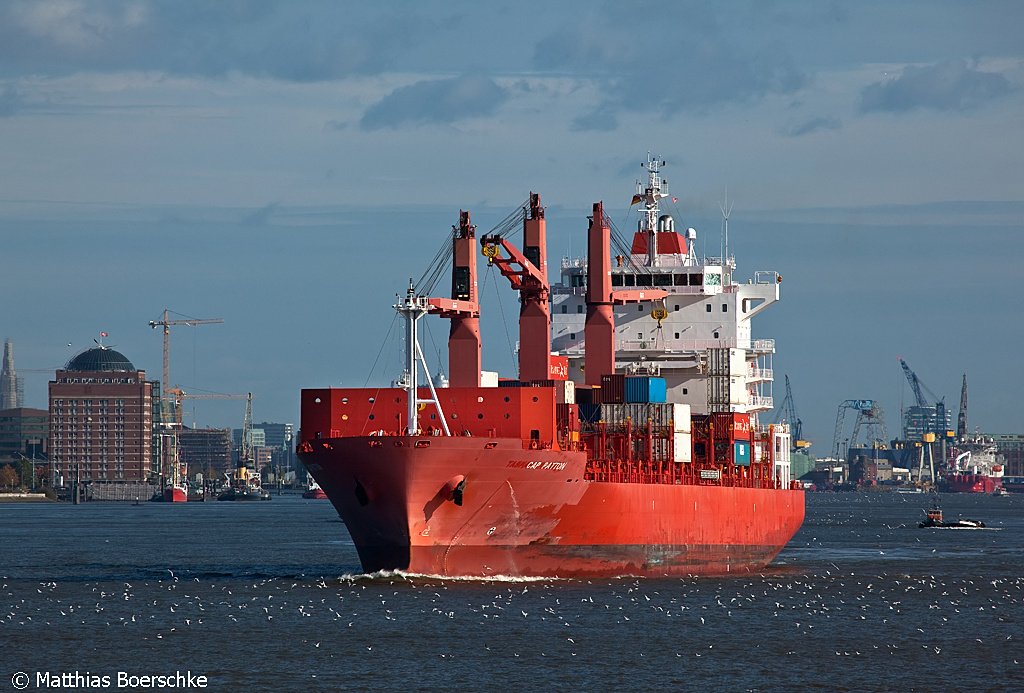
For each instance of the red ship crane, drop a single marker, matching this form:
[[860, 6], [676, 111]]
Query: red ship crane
[[527, 271], [463, 308], [599, 329]]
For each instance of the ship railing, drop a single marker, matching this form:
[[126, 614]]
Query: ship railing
[[761, 402], [766, 345], [767, 277], [677, 345], [761, 374], [680, 474]]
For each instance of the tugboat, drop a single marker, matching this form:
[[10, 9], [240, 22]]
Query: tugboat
[[313, 490], [933, 519], [245, 483]]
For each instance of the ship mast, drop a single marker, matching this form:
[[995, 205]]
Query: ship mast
[[412, 308], [649, 216]]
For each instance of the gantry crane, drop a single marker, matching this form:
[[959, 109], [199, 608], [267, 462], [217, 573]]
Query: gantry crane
[[166, 323]]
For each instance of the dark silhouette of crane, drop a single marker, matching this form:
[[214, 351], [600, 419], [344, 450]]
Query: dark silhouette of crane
[[787, 414], [918, 388]]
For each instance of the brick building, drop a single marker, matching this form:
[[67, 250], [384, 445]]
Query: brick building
[[103, 414]]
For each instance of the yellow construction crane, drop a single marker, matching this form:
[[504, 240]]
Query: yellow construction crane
[[166, 323], [178, 396]]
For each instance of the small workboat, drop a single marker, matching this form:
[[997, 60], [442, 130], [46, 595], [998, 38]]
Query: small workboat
[[933, 518]]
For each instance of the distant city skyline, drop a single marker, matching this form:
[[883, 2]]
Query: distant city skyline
[[287, 167]]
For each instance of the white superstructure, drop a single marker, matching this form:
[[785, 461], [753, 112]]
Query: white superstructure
[[699, 337]]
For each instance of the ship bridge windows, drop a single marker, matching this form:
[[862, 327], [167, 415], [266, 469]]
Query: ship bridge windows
[[663, 280], [644, 280], [577, 280], [616, 280]]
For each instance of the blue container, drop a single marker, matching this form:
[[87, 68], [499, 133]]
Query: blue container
[[741, 453], [644, 389], [589, 413]]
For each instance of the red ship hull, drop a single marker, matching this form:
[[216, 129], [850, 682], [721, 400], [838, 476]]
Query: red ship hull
[[314, 494], [969, 483], [527, 512], [175, 494]]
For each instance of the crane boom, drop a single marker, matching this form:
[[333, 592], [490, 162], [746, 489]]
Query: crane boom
[[166, 323], [915, 384]]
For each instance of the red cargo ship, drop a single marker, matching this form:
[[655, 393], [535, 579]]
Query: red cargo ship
[[595, 475], [975, 467]]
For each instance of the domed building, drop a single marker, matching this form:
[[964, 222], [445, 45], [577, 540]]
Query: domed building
[[102, 413]]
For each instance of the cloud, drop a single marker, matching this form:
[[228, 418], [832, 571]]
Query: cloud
[[814, 125], [436, 101], [686, 61], [306, 42], [947, 86], [601, 119], [10, 102]]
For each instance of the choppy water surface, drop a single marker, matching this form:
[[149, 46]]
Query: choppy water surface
[[268, 596]]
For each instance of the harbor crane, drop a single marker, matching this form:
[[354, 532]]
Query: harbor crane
[[870, 421], [787, 413], [918, 388], [166, 323]]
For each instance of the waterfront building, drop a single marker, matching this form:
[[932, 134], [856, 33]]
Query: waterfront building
[[102, 417], [23, 431], [1010, 446]]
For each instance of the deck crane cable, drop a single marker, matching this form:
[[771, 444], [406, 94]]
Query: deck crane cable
[[625, 250], [430, 277], [512, 223], [387, 340], [433, 344], [441, 261], [501, 309]]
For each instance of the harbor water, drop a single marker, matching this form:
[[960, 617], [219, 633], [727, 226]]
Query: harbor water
[[269, 596]]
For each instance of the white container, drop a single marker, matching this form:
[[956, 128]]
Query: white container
[[682, 447], [681, 417]]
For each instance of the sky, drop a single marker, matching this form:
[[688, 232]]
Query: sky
[[287, 166]]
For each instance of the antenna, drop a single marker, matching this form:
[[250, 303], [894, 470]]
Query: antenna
[[726, 208]]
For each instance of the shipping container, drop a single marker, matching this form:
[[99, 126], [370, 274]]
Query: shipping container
[[644, 388], [585, 394], [731, 425], [589, 413], [613, 388], [741, 453], [683, 447], [681, 417], [558, 367]]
